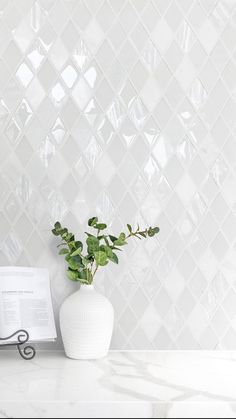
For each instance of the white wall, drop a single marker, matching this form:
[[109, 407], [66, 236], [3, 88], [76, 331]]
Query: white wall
[[127, 110]]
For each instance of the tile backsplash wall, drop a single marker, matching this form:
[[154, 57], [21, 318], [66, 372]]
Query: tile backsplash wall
[[127, 110]]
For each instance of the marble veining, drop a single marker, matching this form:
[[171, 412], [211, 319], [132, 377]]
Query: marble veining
[[127, 384]]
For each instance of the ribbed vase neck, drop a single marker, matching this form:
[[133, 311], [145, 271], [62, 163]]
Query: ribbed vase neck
[[87, 287]]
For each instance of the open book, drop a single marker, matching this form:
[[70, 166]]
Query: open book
[[26, 303]]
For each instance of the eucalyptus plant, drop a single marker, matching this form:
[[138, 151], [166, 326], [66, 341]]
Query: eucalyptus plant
[[101, 248]]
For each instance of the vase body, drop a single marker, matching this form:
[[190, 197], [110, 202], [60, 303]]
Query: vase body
[[87, 321]]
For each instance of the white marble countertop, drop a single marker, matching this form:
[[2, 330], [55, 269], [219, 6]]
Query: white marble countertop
[[126, 384]]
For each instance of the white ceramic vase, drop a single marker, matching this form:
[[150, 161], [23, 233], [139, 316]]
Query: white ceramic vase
[[87, 321]]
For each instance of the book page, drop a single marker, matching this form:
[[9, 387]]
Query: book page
[[26, 303]]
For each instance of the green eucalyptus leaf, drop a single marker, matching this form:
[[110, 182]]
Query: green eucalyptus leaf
[[130, 228], [62, 244], [93, 221], [64, 233], [106, 241], [75, 262], [101, 258], [90, 258], [143, 234], [57, 225], [153, 231], [114, 258], [84, 281], [72, 245], [117, 249], [113, 238], [86, 261], [93, 244], [76, 252], [85, 275], [100, 227], [73, 275], [107, 250], [70, 237], [67, 257], [79, 245], [55, 232], [63, 252], [120, 242]]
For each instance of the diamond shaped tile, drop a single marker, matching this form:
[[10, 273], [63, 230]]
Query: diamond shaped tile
[[24, 114], [105, 16], [116, 113], [58, 95], [150, 56], [36, 54], [69, 76], [92, 152], [186, 303], [81, 15], [70, 36], [174, 322], [23, 35], [47, 75], [128, 55], [162, 35], [69, 189], [35, 94], [105, 130], [105, 170], [198, 94], [219, 247], [11, 208], [174, 245], [47, 36], [93, 75], [58, 131], [46, 151], [150, 322], [128, 132], [24, 75], [4, 114], [24, 151], [12, 248], [35, 246], [59, 54], [208, 36], [69, 114], [94, 35], [151, 93], [163, 303], [23, 228], [128, 17], [186, 73], [58, 16], [12, 55], [82, 93], [12, 132]]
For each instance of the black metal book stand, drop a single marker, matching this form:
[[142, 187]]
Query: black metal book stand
[[20, 340]]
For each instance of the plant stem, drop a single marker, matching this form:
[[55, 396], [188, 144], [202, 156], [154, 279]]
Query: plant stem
[[95, 271]]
